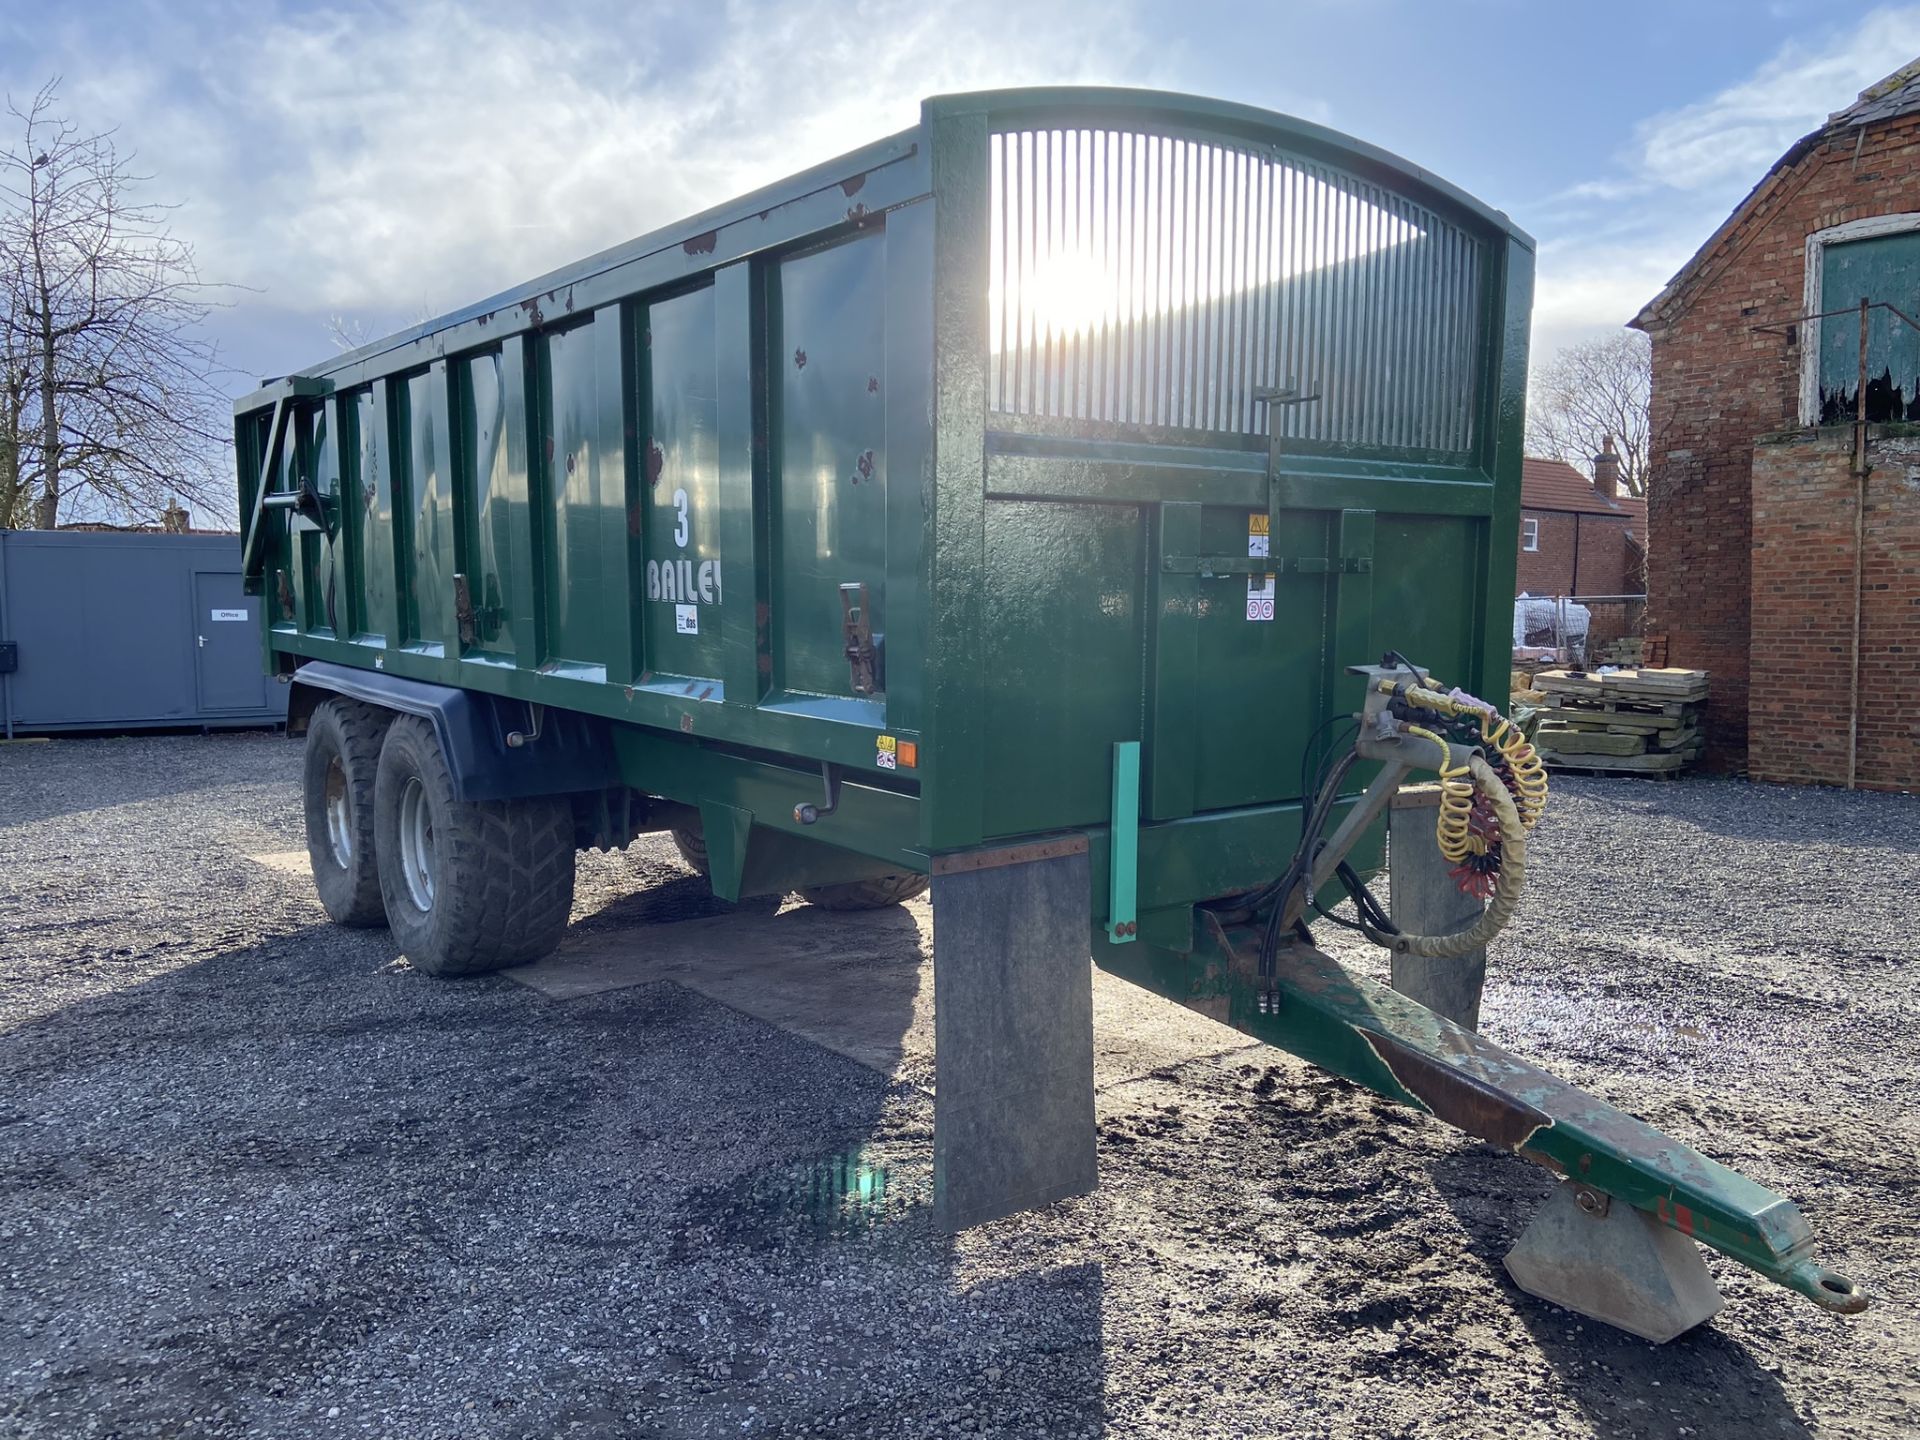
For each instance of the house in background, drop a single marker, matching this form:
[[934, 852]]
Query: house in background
[[1580, 536], [1755, 572]]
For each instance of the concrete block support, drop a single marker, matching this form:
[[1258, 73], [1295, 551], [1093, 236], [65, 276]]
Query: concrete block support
[[1426, 901], [1615, 1264], [1013, 1031]]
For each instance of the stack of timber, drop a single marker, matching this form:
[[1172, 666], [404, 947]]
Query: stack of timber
[[1630, 721]]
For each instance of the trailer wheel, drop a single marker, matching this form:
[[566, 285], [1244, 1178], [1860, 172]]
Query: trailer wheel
[[865, 894], [343, 754], [692, 845], [469, 886]]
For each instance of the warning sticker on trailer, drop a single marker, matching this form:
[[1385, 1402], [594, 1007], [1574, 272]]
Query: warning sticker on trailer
[[686, 619], [1259, 587], [886, 752]]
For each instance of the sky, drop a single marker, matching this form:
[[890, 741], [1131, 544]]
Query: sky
[[379, 161]]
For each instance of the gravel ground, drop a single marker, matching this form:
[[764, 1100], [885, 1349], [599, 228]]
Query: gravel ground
[[258, 1177]]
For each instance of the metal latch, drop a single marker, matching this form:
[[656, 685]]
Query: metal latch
[[866, 651]]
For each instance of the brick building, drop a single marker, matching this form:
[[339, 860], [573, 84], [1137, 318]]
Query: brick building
[[1579, 536], [1743, 558]]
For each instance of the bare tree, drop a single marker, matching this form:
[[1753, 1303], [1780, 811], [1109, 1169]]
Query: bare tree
[[1588, 392], [107, 393], [350, 332]]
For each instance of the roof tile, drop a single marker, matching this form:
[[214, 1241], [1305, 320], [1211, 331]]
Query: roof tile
[[1556, 485]]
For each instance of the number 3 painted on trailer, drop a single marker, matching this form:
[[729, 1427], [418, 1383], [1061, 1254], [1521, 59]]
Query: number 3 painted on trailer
[[680, 525]]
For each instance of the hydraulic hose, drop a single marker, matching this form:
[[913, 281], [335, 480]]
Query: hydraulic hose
[[1506, 890]]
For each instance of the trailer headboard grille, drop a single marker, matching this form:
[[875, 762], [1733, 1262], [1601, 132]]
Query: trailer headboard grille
[[1156, 280]]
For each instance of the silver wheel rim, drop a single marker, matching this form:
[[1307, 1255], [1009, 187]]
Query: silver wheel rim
[[416, 843], [339, 815]]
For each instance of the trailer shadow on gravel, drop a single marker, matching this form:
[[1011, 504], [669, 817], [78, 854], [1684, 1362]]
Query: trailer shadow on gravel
[[299, 1189], [1702, 1383]]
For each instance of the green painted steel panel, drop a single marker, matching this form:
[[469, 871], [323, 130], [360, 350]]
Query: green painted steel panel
[[1064, 627], [575, 574], [1264, 645], [373, 476], [829, 491], [1427, 580], [682, 506], [430, 571], [493, 495]]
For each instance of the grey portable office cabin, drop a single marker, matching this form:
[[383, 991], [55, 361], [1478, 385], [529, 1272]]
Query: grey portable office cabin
[[107, 630]]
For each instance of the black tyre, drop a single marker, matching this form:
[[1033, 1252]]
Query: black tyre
[[692, 845], [343, 753], [469, 886], [865, 894]]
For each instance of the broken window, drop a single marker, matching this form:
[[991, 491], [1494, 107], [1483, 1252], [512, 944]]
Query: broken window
[[1884, 270]]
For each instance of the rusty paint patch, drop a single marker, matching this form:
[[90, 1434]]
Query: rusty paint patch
[[1462, 1100], [858, 214], [873, 384], [1673, 1213], [686, 724], [704, 693], [799, 361], [531, 309], [656, 463], [863, 467], [633, 530], [702, 244], [852, 185], [629, 692], [1542, 1159]]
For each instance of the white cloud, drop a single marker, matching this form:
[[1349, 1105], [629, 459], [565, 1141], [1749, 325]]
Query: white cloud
[[1611, 242], [430, 154], [1742, 130]]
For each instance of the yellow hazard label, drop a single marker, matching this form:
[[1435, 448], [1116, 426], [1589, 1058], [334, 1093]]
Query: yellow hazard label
[[1257, 524], [886, 742]]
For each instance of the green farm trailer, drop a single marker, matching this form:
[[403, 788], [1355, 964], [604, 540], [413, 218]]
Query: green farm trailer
[[1068, 503]]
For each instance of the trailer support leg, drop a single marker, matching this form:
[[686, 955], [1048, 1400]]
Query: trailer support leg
[[1614, 1264], [1013, 1031], [1425, 901]]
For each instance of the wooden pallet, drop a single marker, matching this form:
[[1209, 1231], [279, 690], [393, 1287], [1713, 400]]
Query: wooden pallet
[[1581, 705], [1644, 686]]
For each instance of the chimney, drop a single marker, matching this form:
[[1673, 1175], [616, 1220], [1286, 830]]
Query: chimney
[[176, 519], [1606, 471]]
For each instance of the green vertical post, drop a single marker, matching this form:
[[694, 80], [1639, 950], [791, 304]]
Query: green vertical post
[[1123, 846]]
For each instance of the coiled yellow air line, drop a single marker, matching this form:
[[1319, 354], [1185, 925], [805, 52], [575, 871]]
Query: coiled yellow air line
[[1506, 886], [1452, 829], [1483, 777], [1501, 734]]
